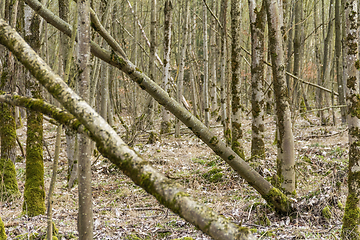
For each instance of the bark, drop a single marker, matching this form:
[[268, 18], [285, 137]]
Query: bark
[[111, 146], [193, 66], [152, 60], [257, 21], [298, 45], [339, 70], [52, 183], [236, 108], [213, 61], [34, 193], [223, 69], [272, 195], [8, 185], [351, 220], [206, 68], [285, 143], [85, 216], [166, 124], [180, 80]]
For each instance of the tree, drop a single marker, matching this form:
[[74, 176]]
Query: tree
[[257, 26], [285, 138], [351, 220], [206, 67], [236, 108], [2, 231], [34, 193], [165, 124], [8, 184], [85, 216]]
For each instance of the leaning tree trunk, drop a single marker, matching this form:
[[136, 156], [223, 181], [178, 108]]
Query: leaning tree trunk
[[351, 220], [257, 21], [237, 132], [166, 124], [34, 193], [8, 184], [272, 195], [285, 143], [85, 216], [167, 191]]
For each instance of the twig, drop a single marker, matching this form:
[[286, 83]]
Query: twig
[[21, 147], [321, 136]]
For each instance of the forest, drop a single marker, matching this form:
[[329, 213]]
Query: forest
[[161, 119]]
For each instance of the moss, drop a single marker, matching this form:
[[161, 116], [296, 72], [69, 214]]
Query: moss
[[326, 213], [34, 193], [214, 141], [2, 230], [8, 187], [351, 218], [279, 201], [214, 175]]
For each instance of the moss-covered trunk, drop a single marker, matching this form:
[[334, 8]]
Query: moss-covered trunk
[[351, 220], [34, 193], [8, 185]]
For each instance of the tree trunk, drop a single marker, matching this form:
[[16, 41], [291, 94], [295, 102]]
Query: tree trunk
[[285, 143], [2, 230], [298, 53], [152, 60], [166, 124], [351, 220], [206, 68], [34, 193], [8, 185], [339, 70], [180, 80], [237, 132], [85, 216], [213, 61], [257, 26]]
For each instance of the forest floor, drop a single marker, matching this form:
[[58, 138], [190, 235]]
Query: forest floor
[[123, 210]]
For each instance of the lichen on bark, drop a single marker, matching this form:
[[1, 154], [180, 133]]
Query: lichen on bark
[[2, 230]]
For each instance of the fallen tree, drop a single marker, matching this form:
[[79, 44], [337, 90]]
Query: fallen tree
[[166, 191], [272, 195]]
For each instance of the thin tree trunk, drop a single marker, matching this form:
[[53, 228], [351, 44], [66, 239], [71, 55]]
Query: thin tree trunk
[[298, 53], [85, 219], [213, 61], [166, 124], [257, 21], [180, 80], [152, 59], [351, 220], [285, 143], [237, 132], [206, 67], [339, 70]]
